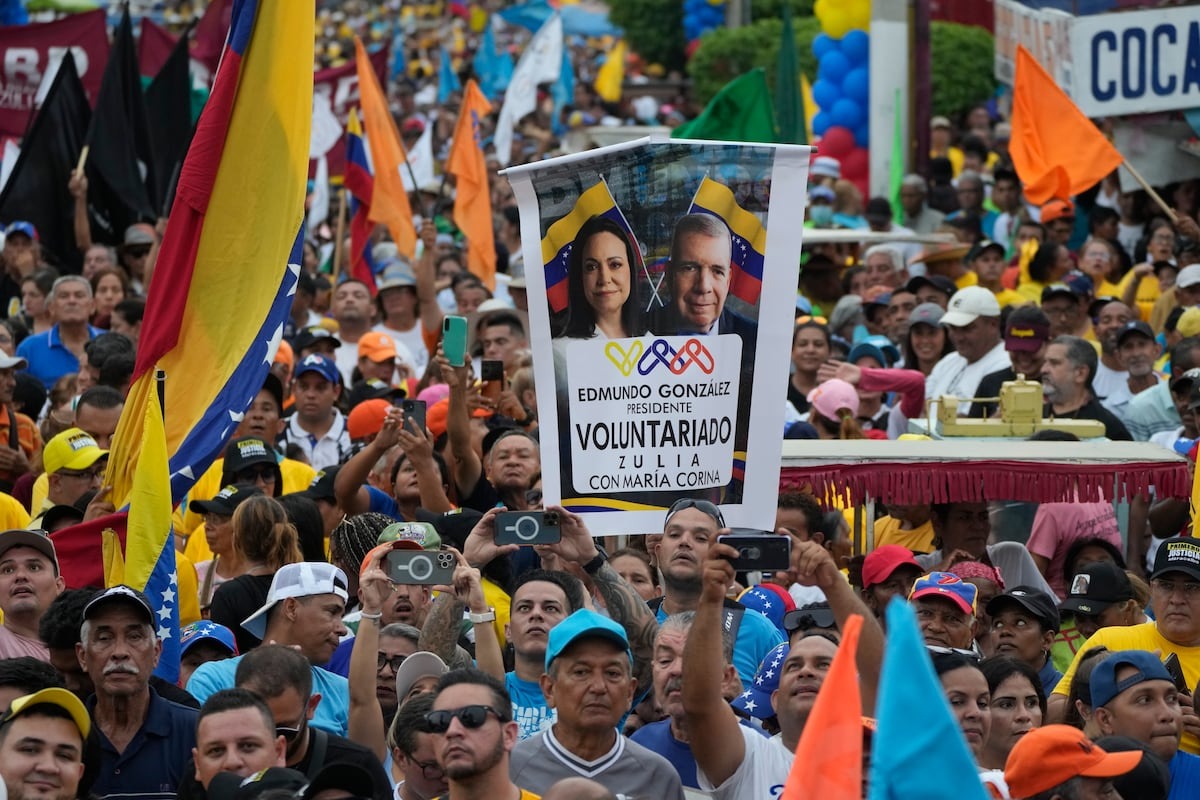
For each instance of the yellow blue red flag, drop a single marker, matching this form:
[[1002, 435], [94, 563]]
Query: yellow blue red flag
[[230, 258], [747, 234]]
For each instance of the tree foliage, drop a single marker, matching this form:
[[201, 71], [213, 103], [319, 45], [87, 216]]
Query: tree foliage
[[725, 54], [653, 29], [962, 67]]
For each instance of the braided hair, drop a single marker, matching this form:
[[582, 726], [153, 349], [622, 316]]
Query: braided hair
[[354, 537]]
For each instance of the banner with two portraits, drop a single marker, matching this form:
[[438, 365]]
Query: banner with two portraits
[[661, 324]]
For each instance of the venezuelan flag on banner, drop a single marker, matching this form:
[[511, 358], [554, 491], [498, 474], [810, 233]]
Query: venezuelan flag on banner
[[556, 245], [361, 185], [231, 255], [749, 237], [473, 199]]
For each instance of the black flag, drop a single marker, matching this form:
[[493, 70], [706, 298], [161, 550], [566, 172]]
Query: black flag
[[120, 168], [169, 113], [37, 189]]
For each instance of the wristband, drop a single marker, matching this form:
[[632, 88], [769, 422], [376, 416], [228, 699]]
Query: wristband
[[486, 616], [365, 615], [593, 566]]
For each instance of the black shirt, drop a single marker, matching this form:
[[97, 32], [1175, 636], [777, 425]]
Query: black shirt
[[237, 599], [1113, 428]]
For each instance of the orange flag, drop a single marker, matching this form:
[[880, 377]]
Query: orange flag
[[1057, 150], [389, 201], [828, 761], [472, 199]]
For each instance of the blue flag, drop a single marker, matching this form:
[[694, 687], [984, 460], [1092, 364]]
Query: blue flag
[[916, 728], [563, 92], [448, 82]]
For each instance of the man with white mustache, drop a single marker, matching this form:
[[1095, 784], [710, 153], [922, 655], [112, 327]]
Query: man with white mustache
[[145, 740]]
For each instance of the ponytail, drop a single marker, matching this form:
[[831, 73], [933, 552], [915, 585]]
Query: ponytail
[[263, 534], [850, 429]]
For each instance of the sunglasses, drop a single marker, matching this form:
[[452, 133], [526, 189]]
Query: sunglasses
[[806, 619], [703, 506], [807, 318], [471, 717], [251, 474]]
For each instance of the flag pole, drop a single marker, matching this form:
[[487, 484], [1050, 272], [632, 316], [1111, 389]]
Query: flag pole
[[339, 236], [83, 155], [1155, 196]]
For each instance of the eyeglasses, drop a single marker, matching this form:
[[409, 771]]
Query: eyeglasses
[[471, 717], [971, 655], [1190, 589], [213, 519], [533, 497], [138, 252], [702, 506], [393, 661], [251, 474], [87, 474], [801, 619], [430, 770]]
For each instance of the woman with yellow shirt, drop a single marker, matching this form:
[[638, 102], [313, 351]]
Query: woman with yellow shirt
[[1159, 243], [1099, 261], [1049, 264]]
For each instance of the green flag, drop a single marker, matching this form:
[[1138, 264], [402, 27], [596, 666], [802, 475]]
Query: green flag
[[740, 112], [899, 151], [789, 102]]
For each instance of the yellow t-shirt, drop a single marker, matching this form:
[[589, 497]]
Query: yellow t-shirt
[[1010, 297], [919, 540], [1108, 289], [968, 278], [501, 603], [1141, 637], [41, 488], [13, 515], [1148, 292], [1031, 291]]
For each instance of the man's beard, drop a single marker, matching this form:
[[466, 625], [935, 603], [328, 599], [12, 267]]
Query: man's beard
[[481, 765]]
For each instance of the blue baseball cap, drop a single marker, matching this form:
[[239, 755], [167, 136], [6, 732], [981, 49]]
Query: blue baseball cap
[[947, 586], [1104, 683], [584, 624], [198, 631], [22, 227], [756, 701], [321, 364], [877, 347]]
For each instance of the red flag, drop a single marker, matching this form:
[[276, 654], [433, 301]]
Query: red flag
[[211, 31], [155, 48]]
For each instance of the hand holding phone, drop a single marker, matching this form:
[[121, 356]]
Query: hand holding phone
[[414, 415], [528, 527], [491, 378], [763, 552], [454, 340], [420, 567]]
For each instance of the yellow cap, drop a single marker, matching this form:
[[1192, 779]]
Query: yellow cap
[[72, 449], [54, 697]]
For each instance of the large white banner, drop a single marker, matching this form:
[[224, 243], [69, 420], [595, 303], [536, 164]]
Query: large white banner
[[661, 324]]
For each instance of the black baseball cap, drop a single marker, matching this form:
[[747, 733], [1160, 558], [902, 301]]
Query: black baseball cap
[[246, 452], [983, 246], [123, 594], [1135, 327], [309, 337], [1097, 586], [373, 389], [351, 778], [226, 501], [939, 282], [1178, 554], [321, 487], [231, 786], [1032, 600]]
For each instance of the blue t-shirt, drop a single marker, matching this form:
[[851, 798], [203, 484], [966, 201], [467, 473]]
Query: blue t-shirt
[[1185, 776], [380, 503], [1049, 676], [530, 710], [49, 359], [333, 712], [153, 763], [340, 663], [756, 636], [657, 736]]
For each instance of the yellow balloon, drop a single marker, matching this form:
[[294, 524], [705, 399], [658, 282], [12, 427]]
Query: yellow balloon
[[819, 8], [836, 23], [716, 2], [859, 15]]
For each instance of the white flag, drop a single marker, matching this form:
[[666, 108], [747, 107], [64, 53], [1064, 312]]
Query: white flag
[[420, 158], [318, 212], [540, 63]]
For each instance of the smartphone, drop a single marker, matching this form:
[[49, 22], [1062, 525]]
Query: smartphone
[[454, 339], [528, 527], [421, 567], [762, 551], [414, 410], [491, 373], [1175, 670]]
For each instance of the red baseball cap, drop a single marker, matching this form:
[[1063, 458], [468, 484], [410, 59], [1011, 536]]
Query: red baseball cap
[[881, 562]]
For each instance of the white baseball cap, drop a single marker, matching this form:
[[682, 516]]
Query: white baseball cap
[[969, 304], [1188, 276], [305, 579]]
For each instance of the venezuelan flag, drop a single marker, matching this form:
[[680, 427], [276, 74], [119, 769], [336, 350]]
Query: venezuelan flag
[[361, 184], [230, 258], [473, 199], [749, 237], [597, 201]]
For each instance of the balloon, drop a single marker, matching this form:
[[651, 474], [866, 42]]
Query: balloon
[[836, 23], [847, 114], [833, 67], [856, 45], [821, 123], [822, 44], [862, 135], [716, 2], [692, 46], [857, 15], [836, 142], [825, 93], [856, 165], [819, 8], [856, 85]]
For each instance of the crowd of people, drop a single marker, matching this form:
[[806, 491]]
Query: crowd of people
[[318, 662]]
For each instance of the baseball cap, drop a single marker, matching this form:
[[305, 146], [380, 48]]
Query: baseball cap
[[821, 193], [422, 534], [1080, 283], [274, 386], [33, 539], [123, 594], [246, 452], [1097, 305], [945, 585], [1150, 779], [71, 449], [1188, 276], [376, 346], [226, 501], [21, 227], [304, 579], [343, 776], [61, 515], [884, 560], [421, 664], [12, 362], [321, 487], [1057, 209], [310, 336], [139, 234], [1178, 554], [878, 210], [939, 122], [1186, 380], [231, 786], [926, 314], [1097, 586], [584, 624], [877, 347], [826, 167], [366, 418], [1135, 327], [968, 305], [53, 696], [830, 397], [372, 389], [1053, 754], [1059, 290], [202, 630], [321, 364], [770, 600], [983, 246], [1026, 330], [1035, 601], [939, 282], [1104, 683], [756, 701], [1188, 323], [397, 274]]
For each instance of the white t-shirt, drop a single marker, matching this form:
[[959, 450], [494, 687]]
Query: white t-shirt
[[1109, 381], [410, 340], [954, 376], [760, 776]]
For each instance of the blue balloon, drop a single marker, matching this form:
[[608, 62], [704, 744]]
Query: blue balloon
[[862, 135], [833, 67], [857, 85], [821, 122], [822, 44], [856, 45], [847, 113], [825, 93]]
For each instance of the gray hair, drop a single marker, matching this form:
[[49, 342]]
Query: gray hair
[[701, 224], [893, 254], [914, 181], [109, 252], [970, 176], [65, 279], [398, 630], [682, 623], [1081, 354]]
